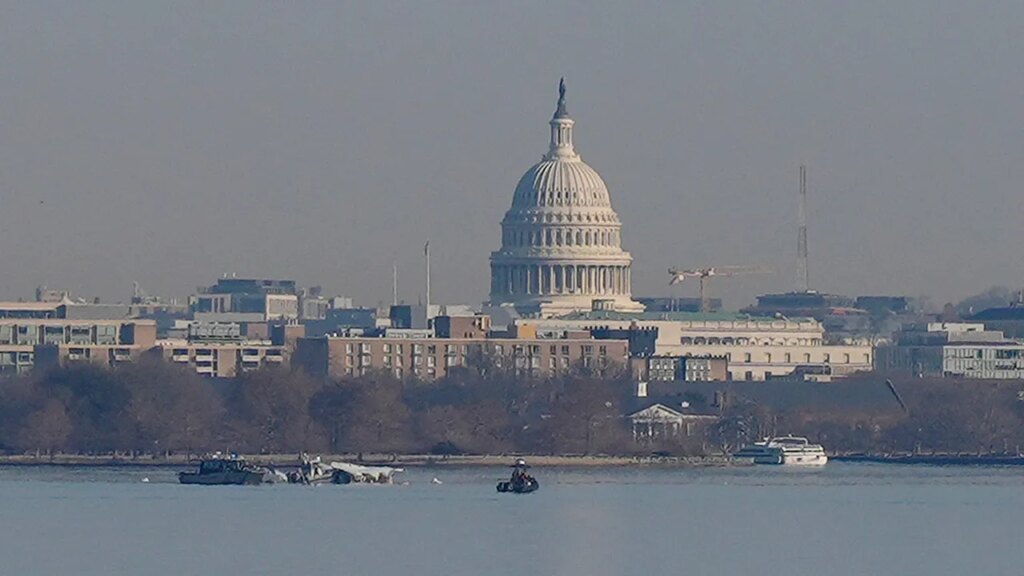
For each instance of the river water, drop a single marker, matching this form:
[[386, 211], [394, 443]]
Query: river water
[[847, 519]]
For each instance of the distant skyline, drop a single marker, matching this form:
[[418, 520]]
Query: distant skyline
[[170, 144]]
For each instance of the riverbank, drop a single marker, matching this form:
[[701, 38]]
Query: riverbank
[[496, 460], [935, 459], [401, 460]]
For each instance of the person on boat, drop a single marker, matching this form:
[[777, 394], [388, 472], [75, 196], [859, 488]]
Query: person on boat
[[519, 475]]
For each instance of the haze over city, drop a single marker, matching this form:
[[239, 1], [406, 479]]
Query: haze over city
[[321, 142]]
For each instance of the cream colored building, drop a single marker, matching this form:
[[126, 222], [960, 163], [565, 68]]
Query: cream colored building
[[561, 239], [755, 347], [222, 359]]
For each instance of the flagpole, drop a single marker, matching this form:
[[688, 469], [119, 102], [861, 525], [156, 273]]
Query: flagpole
[[426, 256]]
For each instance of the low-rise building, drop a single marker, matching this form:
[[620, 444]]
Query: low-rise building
[[754, 347], [659, 422], [682, 368], [246, 300], [952, 349]]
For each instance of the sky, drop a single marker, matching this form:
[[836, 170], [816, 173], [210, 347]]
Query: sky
[[171, 143]]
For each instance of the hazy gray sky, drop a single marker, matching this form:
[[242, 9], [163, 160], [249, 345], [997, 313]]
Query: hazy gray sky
[[172, 142]]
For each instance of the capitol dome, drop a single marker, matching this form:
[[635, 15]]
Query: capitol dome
[[560, 247]]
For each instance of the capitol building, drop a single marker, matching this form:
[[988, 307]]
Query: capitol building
[[561, 240]]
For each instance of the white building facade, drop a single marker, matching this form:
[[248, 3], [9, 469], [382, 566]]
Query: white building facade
[[756, 348]]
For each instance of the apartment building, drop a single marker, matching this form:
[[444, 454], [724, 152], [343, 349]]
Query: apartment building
[[27, 343], [432, 357]]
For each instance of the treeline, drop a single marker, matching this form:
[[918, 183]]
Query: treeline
[[875, 414], [157, 407]]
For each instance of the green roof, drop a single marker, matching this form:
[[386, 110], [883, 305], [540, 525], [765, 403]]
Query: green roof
[[665, 316]]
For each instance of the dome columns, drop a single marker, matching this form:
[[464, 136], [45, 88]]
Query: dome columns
[[528, 280]]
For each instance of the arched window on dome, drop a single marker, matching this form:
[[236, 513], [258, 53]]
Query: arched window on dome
[[547, 238], [588, 238], [579, 237], [568, 237], [558, 238]]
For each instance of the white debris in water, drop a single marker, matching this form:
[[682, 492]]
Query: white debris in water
[[436, 481]]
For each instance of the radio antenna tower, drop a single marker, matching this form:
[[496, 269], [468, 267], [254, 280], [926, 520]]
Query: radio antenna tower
[[802, 284]]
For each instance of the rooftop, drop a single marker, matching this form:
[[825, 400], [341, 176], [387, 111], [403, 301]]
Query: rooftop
[[672, 316]]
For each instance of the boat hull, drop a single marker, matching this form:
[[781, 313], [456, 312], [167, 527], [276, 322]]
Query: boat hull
[[524, 488], [809, 460], [232, 478]]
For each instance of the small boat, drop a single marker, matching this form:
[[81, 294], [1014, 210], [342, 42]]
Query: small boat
[[226, 471], [785, 450], [521, 482]]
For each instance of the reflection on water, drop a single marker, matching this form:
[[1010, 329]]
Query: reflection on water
[[844, 519]]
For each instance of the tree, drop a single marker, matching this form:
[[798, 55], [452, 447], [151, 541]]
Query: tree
[[268, 411], [171, 408], [48, 428]]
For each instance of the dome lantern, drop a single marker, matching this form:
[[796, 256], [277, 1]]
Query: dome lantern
[[561, 129]]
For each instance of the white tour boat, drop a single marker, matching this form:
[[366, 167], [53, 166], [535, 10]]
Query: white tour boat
[[789, 450]]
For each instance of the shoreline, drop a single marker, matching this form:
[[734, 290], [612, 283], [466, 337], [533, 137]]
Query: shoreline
[[399, 460], [495, 460]]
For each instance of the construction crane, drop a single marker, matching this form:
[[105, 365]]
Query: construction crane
[[705, 274]]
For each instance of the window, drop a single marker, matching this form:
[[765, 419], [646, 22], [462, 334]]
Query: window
[[828, 357], [417, 348], [431, 361], [554, 349], [387, 348], [789, 359], [348, 348], [846, 358], [746, 357], [565, 350]]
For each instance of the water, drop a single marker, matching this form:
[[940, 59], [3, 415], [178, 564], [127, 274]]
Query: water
[[848, 519]]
